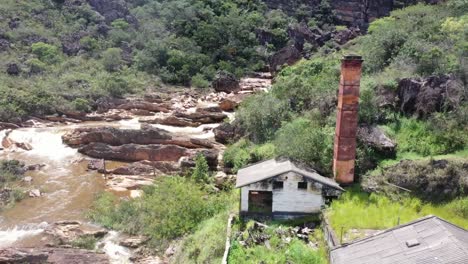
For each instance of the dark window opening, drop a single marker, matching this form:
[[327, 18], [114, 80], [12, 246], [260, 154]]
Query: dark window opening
[[260, 202], [302, 185], [278, 185]]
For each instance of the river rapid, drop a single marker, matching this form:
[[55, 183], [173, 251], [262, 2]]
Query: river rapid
[[68, 188]]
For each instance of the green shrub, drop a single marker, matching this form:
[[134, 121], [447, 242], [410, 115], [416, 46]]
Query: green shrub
[[116, 86], [45, 52], [309, 84], [306, 141], [237, 155], [199, 81], [85, 242], [201, 171], [89, 43], [170, 208], [81, 104], [120, 24], [243, 152], [36, 66], [261, 116], [112, 59], [441, 136]]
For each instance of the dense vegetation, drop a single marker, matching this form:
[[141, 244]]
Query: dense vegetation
[[61, 56], [299, 120], [171, 208], [299, 114]]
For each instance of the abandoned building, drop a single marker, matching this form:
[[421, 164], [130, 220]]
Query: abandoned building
[[426, 240], [283, 189]]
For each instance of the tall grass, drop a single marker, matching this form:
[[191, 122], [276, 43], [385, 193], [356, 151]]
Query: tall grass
[[359, 210]]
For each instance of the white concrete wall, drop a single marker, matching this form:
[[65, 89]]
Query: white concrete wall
[[290, 198]]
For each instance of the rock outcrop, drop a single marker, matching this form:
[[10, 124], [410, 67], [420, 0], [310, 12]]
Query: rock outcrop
[[424, 96], [117, 137], [286, 56], [375, 137], [134, 152], [51, 256], [225, 82], [433, 180], [227, 132]]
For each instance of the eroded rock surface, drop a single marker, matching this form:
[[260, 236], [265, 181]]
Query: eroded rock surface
[[51, 256]]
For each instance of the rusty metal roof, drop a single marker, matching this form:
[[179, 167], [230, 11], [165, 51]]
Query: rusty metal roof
[[428, 240], [274, 167]]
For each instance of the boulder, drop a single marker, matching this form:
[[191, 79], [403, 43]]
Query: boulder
[[51, 255], [103, 104], [35, 193], [203, 116], [134, 152], [35, 167], [433, 180], [4, 125], [115, 136], [228, 104], [4, 44], [136, 168], [14, 23], [142, 105], [112, 10], [13, 69], [424, 96], [7, 142], [343, 36], [63, 233], [125, 183], [225, 82], [286, 56], [226, 133], [172, 121], [133, 242], [375, 137]]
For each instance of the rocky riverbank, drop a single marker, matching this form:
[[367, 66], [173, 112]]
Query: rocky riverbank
[[131, 142]]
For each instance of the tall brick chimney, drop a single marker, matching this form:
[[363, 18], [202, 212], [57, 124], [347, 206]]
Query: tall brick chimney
[[347, 119]]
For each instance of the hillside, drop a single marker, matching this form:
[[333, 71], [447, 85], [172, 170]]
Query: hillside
[[136, 115], [61, 56]]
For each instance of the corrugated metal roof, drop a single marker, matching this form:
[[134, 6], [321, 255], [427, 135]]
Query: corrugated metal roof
[[439, 242], [271, 168]]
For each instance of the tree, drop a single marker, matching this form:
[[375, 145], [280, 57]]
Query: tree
[[201, 171], [45, 52], [112, 59]]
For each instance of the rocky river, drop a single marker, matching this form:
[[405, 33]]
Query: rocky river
[[119, 148]]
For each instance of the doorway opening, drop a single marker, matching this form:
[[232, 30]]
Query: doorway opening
[[260, 202]]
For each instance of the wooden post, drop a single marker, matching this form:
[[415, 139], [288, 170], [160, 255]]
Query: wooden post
[[228, 239]]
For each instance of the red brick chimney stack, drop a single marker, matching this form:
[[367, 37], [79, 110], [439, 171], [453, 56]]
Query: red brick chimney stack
[[347, 120]]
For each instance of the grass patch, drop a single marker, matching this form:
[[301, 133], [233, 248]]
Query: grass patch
[[358, 210], [85, 242], [206, 244]]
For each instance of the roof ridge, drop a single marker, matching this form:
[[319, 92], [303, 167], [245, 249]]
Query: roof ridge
[[255, 163]]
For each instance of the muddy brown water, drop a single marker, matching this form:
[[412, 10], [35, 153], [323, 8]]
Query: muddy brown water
[[69, 188]]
